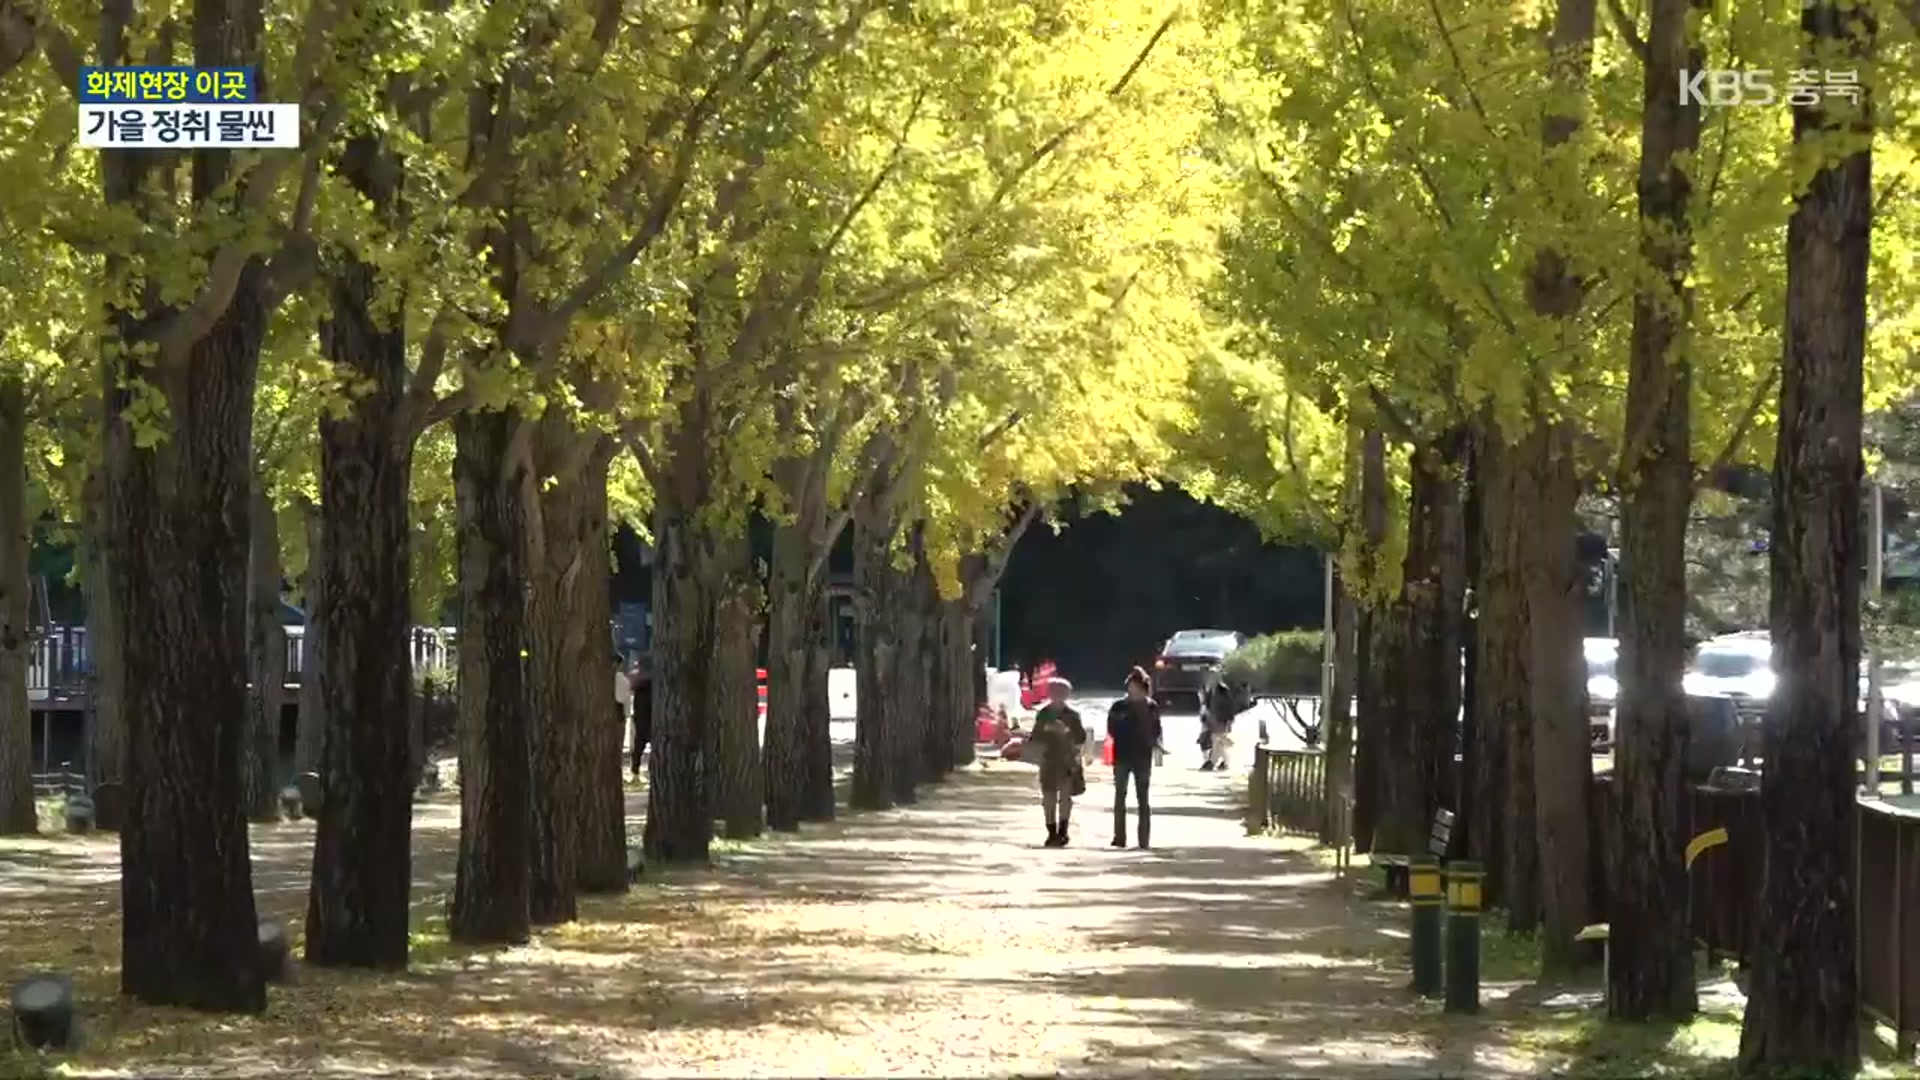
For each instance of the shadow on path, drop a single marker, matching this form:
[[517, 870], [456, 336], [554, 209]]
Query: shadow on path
[[935, 940]]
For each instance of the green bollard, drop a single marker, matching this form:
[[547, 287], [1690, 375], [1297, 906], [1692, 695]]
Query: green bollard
[[1423, 892], [1463, 937]]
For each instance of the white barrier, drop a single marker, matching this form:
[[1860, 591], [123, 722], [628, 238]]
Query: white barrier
[[842, 693]]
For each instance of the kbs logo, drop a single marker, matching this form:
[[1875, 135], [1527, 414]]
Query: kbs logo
[[1723, 87]]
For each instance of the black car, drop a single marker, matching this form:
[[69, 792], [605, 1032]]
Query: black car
[[1188, 663]]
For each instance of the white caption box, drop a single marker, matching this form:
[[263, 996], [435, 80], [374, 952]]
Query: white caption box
[[199, 127]]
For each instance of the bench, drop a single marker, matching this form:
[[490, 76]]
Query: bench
[[1439, 842]]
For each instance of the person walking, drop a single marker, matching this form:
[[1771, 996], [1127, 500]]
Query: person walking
[[622, 688], [1218, 737], [640, 687], [1133, 724], [1058, 735]]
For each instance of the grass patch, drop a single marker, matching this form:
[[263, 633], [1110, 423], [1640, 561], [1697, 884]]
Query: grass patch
[[1504, 955], [1585, 1043]]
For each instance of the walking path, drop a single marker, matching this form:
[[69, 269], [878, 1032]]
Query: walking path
[[935, 940]]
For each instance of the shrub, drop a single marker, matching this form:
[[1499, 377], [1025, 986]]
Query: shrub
[[439, 709], [1284, 663]]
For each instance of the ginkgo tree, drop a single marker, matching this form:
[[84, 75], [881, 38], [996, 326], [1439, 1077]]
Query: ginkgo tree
[[42, 282]]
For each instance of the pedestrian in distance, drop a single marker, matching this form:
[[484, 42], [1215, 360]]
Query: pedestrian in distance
[[1217, 724], [1133, 724], [1058, 735], [622, 688], [640, 686]]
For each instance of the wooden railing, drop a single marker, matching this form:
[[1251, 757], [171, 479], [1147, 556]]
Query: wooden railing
[[60, 664], [1287, 792]]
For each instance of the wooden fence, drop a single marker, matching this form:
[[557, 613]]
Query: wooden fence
[[1724, 899], [1287, 792], [1889, 946]]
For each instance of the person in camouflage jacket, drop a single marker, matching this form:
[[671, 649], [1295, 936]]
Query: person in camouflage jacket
[[1058, 736]]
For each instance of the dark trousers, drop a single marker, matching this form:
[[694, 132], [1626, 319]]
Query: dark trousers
[[1141, 773]]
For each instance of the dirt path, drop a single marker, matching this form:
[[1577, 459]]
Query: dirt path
[[934, 940]]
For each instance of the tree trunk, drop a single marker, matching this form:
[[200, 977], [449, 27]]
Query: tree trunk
[[1337, 726], [177, 523], [1445, 547], [818, 799], [266, 663], [1502, 761], [679, 826], [1650, 972], [493, 878], [563, 696], [1399, 777], [739, 791], [602, 866], [877, 735], [785, 756], [107, 730], [1369, 729], [358, 899], [310, 723], [1472, 810], [17, 814], [939, 726], [1372, 730], [957, 660], [1421, 670], [909, 674], [982, 650], [1803, 1014], [1556, 668]]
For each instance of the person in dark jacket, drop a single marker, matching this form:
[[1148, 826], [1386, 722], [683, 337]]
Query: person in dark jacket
[[640, 680], [1058, 735], [1134, 726]]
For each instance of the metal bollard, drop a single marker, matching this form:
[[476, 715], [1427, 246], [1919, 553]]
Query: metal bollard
[[1463, 937], [1423, 893]]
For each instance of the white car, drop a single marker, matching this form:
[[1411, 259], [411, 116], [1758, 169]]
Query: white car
[[1603, 689], [1740, 666]]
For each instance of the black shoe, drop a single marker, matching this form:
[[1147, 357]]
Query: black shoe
[[1053, 836], [1063, 837], [1119, 842], [1206, 766], [1144, 846]]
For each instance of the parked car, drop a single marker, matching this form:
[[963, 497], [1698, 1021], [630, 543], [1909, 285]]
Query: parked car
[[1740, 667], [1189, 662]]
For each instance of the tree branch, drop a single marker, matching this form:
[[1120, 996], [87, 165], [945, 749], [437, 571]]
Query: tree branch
[[630, 436], [992, 434], [1624, 25], [992, 562], [1744, 425], [17, 36], [1314, 509], [421, 390], [893, 292], [62, 55], [186, 327]]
